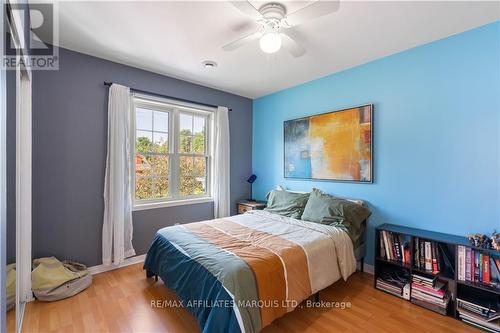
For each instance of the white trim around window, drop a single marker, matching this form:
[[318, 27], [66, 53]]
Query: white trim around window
[[173, 154]]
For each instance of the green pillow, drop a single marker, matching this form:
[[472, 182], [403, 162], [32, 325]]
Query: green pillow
[[286, 203], [327, 209]]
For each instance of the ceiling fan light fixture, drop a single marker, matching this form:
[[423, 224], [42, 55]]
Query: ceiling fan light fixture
[[270, 42]]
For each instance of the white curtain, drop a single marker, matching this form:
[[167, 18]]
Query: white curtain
[[221, 190], [117, 222]]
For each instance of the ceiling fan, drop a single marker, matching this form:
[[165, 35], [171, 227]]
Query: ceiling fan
[[275, 24]]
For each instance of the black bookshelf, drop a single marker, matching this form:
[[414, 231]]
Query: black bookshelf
[[456, 287]]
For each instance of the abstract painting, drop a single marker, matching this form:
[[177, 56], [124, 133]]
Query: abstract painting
[[330, 146]]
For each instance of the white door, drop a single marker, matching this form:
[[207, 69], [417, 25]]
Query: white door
[[23, 191]]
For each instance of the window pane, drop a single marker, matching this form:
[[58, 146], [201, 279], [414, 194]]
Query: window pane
[[160, 142], [199, 166], [143, 165], [192, 186], [187, 186], [160, 121], [186, 165], [160, 165], [144, 119], [186, 123], [185, 142], [161, 187], [198, 144], [199, 125], [144, 141], [143, 188], [199, 185]]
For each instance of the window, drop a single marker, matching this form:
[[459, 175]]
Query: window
[[171, 153]]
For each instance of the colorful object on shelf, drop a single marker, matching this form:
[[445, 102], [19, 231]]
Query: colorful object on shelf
[[495, 240], [478, 240]]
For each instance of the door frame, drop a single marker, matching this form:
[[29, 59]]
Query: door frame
[[3, 188], [23, 169]]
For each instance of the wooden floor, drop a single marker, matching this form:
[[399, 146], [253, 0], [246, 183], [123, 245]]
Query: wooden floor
[[120, 301]]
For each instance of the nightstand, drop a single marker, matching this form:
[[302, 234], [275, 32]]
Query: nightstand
[[246, 205]]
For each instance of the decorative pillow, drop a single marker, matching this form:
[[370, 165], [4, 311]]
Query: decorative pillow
[[327, 209], [286, 203]]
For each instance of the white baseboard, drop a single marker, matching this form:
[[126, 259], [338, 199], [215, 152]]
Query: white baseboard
[[368, 269], [105, 268]]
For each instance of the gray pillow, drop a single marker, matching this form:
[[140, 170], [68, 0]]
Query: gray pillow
[[286, 203], [327, 209]]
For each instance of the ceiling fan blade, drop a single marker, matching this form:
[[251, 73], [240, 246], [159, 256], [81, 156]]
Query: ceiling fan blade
[[242, 41], [247, 8], [314, 10], [292, 46]]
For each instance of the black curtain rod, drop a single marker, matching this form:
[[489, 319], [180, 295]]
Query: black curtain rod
[[106, 83]]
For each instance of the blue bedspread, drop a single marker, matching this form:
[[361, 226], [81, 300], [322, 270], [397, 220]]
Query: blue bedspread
[[193, 284]]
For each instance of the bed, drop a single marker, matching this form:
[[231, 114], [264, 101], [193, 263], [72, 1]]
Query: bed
[[241, 272]]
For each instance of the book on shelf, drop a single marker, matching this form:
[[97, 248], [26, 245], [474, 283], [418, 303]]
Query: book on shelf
[[468, 264], [476, 266], [429, 306], [480, 309], [390, 287], [381, 244], [394, 247], [461, 262], [485, 317], [479, 267], [431, 293], [393, 281], [435, 262], [428, 256], [432, 257], [422, 254]]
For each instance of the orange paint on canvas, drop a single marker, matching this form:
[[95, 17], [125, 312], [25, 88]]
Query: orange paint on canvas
[[340, 142]]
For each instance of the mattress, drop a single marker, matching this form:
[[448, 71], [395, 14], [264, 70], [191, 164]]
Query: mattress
[[239, 273]]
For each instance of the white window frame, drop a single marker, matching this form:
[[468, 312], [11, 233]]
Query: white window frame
[[174, 109]]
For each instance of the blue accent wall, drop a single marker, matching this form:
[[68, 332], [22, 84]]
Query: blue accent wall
[[436, 133]]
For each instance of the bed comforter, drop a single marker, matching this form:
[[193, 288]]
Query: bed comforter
[[241, 272]]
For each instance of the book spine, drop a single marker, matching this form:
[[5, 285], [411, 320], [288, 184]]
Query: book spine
[[428, 256], [407, 255], [480, 268], [402, 244], [381, 244], [422, 255], [386, 242], [393, 247], [476, 266], [434, 258], [472, 265], [397, 248], [416, 255], [486, 269], [494, 274], [461, 263], [468, 264], [438, 257]]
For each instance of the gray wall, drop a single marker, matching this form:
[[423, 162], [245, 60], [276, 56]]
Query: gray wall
[[69, 152]]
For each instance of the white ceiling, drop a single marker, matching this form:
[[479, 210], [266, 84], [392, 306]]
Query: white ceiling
[[173, 38]]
